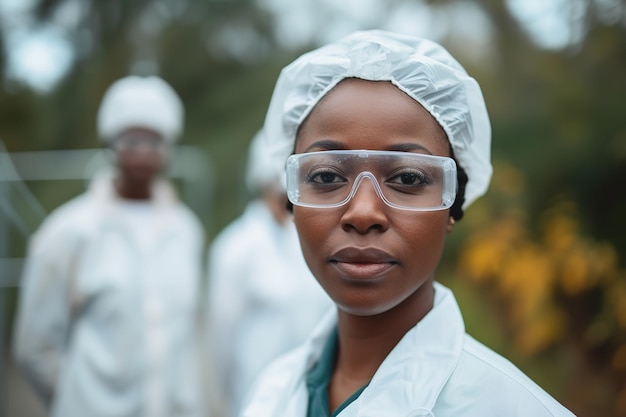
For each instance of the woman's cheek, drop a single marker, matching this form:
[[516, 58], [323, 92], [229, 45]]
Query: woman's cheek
[[314, 229]]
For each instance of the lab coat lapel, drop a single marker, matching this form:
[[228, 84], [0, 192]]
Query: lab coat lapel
[[410, 379], [407, 384]]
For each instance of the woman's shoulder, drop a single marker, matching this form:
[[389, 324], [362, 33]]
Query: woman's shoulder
[[68, 219], [187, 217], [502, 384]]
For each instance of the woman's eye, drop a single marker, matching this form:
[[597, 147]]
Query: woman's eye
[[412, 178], [324, 178]]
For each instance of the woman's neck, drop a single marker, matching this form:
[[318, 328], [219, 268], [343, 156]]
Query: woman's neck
[[133, 191], [365, 342]]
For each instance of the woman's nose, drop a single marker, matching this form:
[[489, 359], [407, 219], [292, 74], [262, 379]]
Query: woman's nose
[[366, 210]]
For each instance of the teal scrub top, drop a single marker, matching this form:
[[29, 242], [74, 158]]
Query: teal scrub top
[[318, 378]]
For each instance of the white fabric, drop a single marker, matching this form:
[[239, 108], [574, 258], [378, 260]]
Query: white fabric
[[419, 67], [140, 102], [139, 215], [106, 326], [436, 370], [262, 298], [260, 171]]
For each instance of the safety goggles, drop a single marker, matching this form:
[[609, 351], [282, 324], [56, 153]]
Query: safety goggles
[[403, 180], [139, 142]]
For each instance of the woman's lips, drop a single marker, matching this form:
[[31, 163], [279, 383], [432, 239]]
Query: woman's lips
[[362, 263], [361, 270]]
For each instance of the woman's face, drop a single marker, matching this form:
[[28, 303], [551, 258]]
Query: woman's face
[[141, 155], [371, 258]]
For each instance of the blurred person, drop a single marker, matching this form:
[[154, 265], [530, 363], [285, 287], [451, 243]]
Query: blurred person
[[107, 314], [386, 142], [262, 299]]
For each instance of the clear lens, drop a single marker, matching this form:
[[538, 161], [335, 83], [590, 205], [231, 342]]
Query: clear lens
[[137, 142], [403, 180]]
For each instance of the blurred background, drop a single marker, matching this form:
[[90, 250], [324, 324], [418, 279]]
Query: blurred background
[[538, 264]]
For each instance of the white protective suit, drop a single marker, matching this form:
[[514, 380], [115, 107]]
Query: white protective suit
[[108, 308], [436, 370], [262, 299]]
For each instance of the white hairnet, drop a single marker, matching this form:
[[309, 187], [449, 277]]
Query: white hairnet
[[261, 171], [421, 68], [146, 102]]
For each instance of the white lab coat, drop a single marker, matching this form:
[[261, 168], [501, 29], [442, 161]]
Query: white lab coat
[[262, 299], [436, 370], [108, 310]]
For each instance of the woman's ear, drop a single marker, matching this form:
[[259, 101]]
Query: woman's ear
[[451, 223]]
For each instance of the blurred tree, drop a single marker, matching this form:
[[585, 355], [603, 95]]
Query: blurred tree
[[206, 50], [548, 245]]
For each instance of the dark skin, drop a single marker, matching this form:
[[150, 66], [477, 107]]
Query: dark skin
[[140, 159], [377, 263]]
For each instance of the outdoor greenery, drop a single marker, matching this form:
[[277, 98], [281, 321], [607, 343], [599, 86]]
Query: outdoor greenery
[[538, 264]]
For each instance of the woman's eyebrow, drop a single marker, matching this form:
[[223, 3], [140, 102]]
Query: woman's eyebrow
[[333, 145], [327, 144], [408, 147]]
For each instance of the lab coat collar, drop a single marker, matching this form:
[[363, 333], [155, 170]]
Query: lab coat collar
[[105, 203], [409, 380]]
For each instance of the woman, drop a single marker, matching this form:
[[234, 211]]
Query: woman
[[390, 140]]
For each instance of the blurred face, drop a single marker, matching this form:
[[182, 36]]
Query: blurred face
[[141, 155], [369, 257]]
